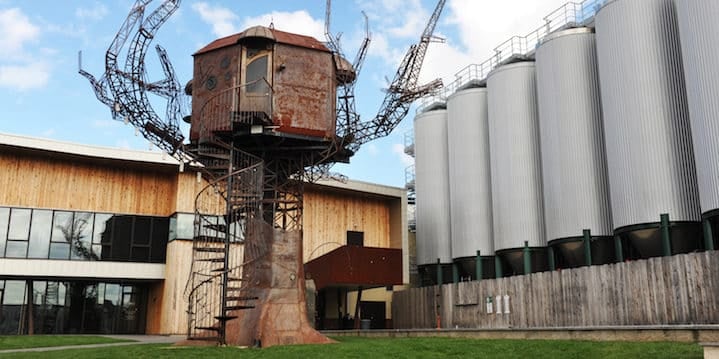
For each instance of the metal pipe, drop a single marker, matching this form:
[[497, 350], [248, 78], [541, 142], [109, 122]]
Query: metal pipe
[[478, 266], [587, 234], [618, 249], [666, 235], [497, 267], [455, 273], [550, 258], [708, 235], [439, 272], [527, 259]]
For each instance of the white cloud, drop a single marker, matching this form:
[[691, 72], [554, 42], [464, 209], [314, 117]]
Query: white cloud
[[483, 25], [18, 70], [96, 13], [16, 30], [221, 19], [298, 22], [398, 150], [24, 77]]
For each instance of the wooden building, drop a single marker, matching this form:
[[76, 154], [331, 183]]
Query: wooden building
[[99, 240]]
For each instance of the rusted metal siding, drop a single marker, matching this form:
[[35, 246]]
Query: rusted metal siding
[[280, 37], [304, 91], [221, 66], [303, 81], [363, 266]]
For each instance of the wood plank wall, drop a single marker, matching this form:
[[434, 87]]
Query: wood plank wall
[[46, 182], [328, 215], [682, 289]]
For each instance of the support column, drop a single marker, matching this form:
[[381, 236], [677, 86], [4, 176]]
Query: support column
[[439, 272], [455, 273], [550, 258], [666, 235], [357, 308], [618, 249], [497, 267], [708, 235], [527, 259], [478, 266], [587, 234]]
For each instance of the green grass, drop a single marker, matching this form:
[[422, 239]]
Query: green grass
[[37, 341], [353, 347]]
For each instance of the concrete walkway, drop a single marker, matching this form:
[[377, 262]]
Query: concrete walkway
[[137, 339]]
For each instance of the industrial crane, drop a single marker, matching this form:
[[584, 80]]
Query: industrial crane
[[251, 186], [403, 89]]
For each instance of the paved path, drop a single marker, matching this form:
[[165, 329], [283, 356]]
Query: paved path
[[137, 339]]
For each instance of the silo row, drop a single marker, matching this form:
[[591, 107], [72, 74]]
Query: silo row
[[599, 180]]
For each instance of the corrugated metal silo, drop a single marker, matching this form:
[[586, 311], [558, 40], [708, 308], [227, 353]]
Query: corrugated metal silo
[[515, 166], [469, 181], [648, 140], [699, 34], [574, 166], [432, 190]]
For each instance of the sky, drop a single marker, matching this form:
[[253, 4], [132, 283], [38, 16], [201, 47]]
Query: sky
[[42, 94]]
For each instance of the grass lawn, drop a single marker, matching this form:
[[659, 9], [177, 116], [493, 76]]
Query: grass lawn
[[37, 341], [353, 347]]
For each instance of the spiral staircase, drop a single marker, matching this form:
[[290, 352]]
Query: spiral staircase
[[225, 210]]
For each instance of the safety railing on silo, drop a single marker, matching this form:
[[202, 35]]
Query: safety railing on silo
[[571, 14], [411, 198], [409, 142], [409, 178]]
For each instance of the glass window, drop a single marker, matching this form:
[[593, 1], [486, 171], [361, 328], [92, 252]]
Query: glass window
[[121, 237], [61, 293], [52, 295], [14, 292], [19, 224], [62, 227], [97, 251], [112, 293], [140, 254], [39, 290], [103, 228], [100, 293], [4, 221], [142, 230], [40, 234], [256, 70], [184, 227], [59, 250], [16, 249], [82, 241], [160, 228]]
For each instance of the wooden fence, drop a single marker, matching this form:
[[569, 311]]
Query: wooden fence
[[682, 289]]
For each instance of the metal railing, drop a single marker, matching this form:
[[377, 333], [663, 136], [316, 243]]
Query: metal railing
[[245, 104], [409, 142], [571, 14]]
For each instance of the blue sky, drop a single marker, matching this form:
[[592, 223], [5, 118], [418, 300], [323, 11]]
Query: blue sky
[[42, 95]]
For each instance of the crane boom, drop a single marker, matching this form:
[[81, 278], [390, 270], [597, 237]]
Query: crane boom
[[403, 90]]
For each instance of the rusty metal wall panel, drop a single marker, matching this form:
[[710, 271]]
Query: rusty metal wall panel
[[213, 73], [356, 266], [304, 91], [646, 119]]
